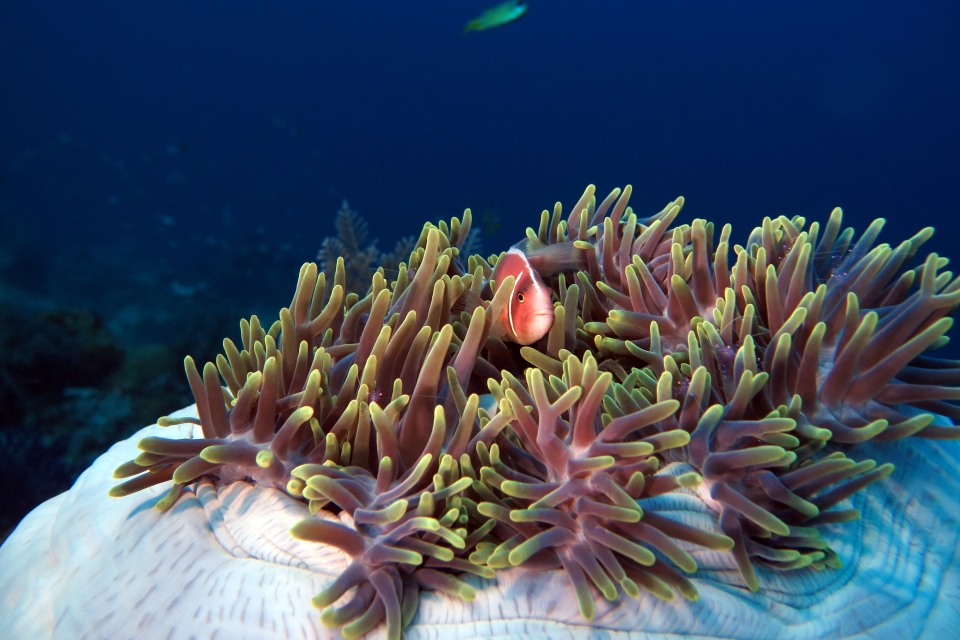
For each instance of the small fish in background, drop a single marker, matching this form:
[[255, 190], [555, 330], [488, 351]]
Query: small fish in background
[[498, 16]]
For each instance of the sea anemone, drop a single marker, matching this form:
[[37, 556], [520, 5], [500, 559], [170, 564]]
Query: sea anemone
[[669, 369], [772, 358]]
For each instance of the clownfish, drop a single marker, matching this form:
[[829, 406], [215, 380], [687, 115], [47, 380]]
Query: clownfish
[[528, 314]]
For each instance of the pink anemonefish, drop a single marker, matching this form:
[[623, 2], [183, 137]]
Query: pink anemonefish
[[528, 314]]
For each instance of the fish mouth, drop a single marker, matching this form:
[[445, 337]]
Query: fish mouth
[[539, 325], [542, 318]]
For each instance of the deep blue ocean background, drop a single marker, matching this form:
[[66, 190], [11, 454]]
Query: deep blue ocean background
[[165, 168]]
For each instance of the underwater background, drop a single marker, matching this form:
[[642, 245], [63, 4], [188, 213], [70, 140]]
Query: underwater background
[[165, 169]]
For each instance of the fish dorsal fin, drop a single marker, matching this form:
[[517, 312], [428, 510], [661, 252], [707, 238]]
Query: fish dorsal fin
[[529, 245], [551, 259]]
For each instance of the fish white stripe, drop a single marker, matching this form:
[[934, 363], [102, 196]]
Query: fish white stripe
[[537, 283], [528, 268], [513, 295]]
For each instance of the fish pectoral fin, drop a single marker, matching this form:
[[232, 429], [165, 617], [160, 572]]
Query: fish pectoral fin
[[468, 301], [498, 331]]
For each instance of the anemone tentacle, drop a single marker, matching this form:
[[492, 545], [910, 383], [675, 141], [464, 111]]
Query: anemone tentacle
[[446, 451]]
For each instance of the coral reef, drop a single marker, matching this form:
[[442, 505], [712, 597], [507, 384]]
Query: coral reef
[[116, 366], [55, 420], [359, 261], [759, 374], [93, 336]]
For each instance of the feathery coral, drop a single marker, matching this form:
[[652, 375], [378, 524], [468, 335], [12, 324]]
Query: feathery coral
[[359, 261]]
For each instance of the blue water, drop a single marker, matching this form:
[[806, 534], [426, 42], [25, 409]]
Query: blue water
[[164, 162], [250, 115]]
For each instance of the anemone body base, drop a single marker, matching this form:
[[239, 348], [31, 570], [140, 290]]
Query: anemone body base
[[221, 563]]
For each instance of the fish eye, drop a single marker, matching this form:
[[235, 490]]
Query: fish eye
[[520, 298]]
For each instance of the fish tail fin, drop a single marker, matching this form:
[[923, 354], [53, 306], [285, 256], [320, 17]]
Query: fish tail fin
[[560, 257], [473, 25]]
